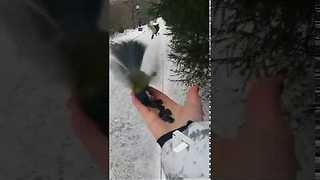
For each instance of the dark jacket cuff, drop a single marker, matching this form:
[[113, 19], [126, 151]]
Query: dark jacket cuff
[[164, 138]]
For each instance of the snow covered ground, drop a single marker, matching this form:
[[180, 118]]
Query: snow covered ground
[[133, 151]]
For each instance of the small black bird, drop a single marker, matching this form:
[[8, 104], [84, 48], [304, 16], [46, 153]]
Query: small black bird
[[154, 28]]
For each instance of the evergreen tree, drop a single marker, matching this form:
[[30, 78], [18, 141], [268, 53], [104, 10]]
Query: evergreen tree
[[187, 21], [268, 37]]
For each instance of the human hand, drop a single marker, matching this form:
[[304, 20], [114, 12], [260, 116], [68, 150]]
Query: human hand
[[264, 146], [191, 110], [89, 134]]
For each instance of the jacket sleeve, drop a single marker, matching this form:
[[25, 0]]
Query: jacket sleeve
[[185, 152]]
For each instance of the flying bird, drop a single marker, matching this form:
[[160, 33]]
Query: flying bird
[[129, 56], [154, 28]]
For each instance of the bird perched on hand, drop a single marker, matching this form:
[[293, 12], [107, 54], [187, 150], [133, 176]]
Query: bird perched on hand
[[130, 56]]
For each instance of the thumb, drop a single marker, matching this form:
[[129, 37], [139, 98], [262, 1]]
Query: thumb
[[193, 103], [193, 97]]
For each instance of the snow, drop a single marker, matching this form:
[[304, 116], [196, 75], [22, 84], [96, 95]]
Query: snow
[[134, 153]]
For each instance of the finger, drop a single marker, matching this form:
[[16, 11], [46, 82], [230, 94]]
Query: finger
[[143, 110], [275, 83], [193, 103], [193, 96], [156, 126], [147, 114], [168, 102], [263, 107], [89, 134]]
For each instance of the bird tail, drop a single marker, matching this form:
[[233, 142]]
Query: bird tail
[[129, 54]]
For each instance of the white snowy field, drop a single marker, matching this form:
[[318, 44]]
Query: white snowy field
[[133, 151]]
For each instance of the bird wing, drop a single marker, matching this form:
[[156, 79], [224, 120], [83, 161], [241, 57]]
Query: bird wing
[[120, 72], [152, 28], [129, 54]]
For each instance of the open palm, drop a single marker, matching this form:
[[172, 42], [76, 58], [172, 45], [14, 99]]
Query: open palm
[[190, 111]]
